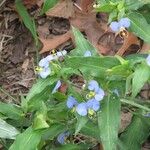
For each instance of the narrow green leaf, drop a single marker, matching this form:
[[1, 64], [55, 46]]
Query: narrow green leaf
[[11, 111], [81, 122], [28, 140], [109, 121], [134, 104], [53, 131], [40, 86], [48, 4], [7, 131], [139, 26], [140, 77], [82, 45], [136, 133], [29, 23]]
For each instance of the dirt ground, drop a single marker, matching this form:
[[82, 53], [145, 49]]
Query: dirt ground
[[18, 53]]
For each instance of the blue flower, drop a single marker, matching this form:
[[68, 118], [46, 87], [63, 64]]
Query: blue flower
[[57, 86], [82, 109], [62, 137], [87, 54], [148, 60], [71, 102], [93, 104], [95, 91], [44, 69], [114, 26], [124, 22], [93, 85]]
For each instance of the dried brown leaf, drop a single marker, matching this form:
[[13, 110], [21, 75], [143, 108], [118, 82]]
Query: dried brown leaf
[[52, 43], [63, 8], [129, 40]]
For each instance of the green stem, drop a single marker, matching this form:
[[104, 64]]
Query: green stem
[[134, 104]]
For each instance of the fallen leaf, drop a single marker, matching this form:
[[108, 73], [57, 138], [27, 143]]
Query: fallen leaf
[[49, 44], [83, 20], [145, 47], [29, 3], [64, 8], [129, 40]]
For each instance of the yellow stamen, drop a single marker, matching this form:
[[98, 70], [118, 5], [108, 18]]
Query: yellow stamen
[[38, 69], [90, 94], [91, 112]]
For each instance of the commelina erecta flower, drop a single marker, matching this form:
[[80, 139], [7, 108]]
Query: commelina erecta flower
[[71, 102], [44, 70], [96, 92], [122, 23], [63, 137], [148, 60]]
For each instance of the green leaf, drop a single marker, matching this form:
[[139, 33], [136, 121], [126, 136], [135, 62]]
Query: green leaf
[[40, 86], [136, 133], [108, 7], [73, 147], [109, 121], [29, 23], [40, 122], [7, 131], [53, 131], [82, 45], [133, 4], [11, 111], [140, 77], [91, 129], [139, 26], [28, 140], [81, 122], [48, 4]]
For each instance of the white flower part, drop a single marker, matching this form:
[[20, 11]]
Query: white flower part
[[50, 58], [62, 53], [43, 63], [45, 72], [148, 60]]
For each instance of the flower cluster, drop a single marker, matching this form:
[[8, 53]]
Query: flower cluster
[[148, 60], [95, 95], [122, 23], [44, 69]]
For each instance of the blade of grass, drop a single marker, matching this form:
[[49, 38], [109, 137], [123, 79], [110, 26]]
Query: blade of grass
[[28, 21]]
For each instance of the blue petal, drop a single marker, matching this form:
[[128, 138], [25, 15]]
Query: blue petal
[[87, 54], [45, 72], [93, 85], [93, 104], [114, 26], [148, 60], [44, 63], [57, 86], [99, 95], [49, 58], [71, 102], [82, 109], [62, 137], [124, 22]]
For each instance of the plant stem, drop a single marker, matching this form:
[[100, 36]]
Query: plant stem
[[135, 104]]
